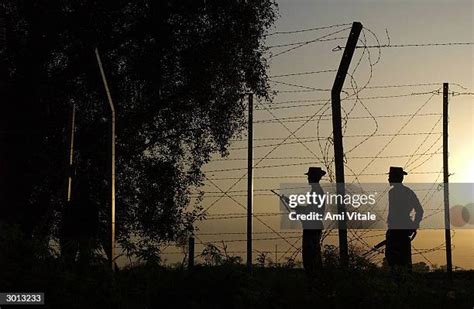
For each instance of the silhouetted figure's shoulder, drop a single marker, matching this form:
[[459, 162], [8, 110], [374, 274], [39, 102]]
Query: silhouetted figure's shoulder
[[316, 187], [401, 194], [402, 190]]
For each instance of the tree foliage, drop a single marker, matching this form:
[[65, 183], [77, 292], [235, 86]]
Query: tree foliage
[[177, 70]]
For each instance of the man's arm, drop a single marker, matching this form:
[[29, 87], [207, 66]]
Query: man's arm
[[286, 201], [298, 209], [418, 211]]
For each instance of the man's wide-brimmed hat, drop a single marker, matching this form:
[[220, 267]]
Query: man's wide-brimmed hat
[[315, 171], [395, 170]]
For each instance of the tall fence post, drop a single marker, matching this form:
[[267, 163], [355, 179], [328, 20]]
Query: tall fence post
[[112, 159], [447, 227], [191, 253], [71, 153], [337, 133], [250, 183]]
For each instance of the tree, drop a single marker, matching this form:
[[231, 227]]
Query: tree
[[177, 71]]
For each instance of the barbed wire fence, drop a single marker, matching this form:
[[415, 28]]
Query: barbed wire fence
[[293, 133]]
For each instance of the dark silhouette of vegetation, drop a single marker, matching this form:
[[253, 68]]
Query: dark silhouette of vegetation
[[177, 70], [147, 285]]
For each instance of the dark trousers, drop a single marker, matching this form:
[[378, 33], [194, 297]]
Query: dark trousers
[[312, 250], [398, 248]]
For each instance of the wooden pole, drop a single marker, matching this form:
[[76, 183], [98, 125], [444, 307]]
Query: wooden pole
[[337, 133], [191, 253], [276, 254], [71, 152], [250, 183], [447, 230], [112, 173]]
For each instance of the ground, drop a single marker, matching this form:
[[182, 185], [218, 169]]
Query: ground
[[230, 286]]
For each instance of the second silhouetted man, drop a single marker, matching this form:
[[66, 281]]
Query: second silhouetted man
[[401, 227]]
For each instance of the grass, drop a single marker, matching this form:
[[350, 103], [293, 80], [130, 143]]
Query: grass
[[230, 286], [225, 283]]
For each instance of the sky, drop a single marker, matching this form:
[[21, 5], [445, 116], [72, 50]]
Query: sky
[[379, 132]]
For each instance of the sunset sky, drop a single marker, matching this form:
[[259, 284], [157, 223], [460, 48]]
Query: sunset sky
[[401, 22]]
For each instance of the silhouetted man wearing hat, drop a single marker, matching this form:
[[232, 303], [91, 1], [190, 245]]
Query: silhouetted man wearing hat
[[401, 228], [312, 230]]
